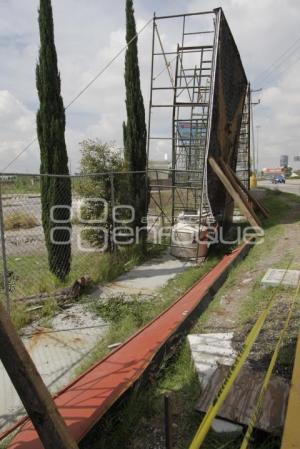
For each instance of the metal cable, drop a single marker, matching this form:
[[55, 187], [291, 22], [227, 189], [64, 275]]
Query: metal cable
[[277, 62]]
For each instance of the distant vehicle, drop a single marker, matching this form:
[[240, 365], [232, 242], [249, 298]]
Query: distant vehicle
[[279, 179]]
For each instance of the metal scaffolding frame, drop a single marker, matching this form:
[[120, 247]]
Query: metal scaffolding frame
[[189, 83], [185, 89]]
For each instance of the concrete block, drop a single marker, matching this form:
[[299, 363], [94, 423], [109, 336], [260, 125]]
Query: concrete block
[[287, 278], [210, 350]]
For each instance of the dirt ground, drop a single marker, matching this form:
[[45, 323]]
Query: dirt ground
[[227, 315]]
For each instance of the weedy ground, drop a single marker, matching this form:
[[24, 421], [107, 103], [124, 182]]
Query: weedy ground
[[31, 276], [140, 420]]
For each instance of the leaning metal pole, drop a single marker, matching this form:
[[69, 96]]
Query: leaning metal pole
[[3, 251], [249, 133], [150, 98]]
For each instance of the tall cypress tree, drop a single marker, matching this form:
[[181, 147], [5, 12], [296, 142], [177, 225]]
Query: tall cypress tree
[[134, 131], [55, 191]]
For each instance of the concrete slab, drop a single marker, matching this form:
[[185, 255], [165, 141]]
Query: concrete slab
[[144, 279], [210, 350], [287, 278], [57, 352]]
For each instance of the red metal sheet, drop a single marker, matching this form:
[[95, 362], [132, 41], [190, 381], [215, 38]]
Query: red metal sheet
[[86, 399]]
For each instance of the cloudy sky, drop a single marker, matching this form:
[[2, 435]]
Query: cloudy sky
[[88, 34]]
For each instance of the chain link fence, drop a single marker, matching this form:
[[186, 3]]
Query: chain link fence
[[80, 233], [83, 229], [58, 324], [91, 241]]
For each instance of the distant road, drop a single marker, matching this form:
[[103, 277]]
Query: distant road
[[289, 186]]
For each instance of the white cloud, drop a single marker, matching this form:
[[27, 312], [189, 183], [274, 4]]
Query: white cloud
[[17, 128]]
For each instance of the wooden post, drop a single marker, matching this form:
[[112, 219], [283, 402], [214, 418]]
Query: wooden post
[[167, 416], [251, 197], [236, 195], [33, 393]]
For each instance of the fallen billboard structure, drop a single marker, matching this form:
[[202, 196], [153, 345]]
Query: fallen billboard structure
[[201, 90]]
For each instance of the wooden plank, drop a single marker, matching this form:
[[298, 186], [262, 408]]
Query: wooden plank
[[240, 402], [237, 184], [242, 195], [291, 433], [251, 197], [31, 388], [236, 195]]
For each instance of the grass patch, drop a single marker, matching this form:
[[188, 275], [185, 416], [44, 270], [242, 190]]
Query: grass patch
[[178, 379], [22, 317], [19, 220], [49, 310], [31, 276], [99, 267], [19, 315], [119, 309], [19, 185]]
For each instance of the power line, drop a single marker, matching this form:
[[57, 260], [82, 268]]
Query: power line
[[93, 80], [278, 61], [278, 66], [283, 71], [109, 64], [280, 73], [20, 154]]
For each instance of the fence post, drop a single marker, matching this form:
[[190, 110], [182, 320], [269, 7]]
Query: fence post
[[112, 193], [3, 252], [160, 201], [167, 422]]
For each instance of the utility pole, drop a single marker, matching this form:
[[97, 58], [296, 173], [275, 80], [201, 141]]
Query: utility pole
[[257, 145], [255, 156], [32, 391]]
